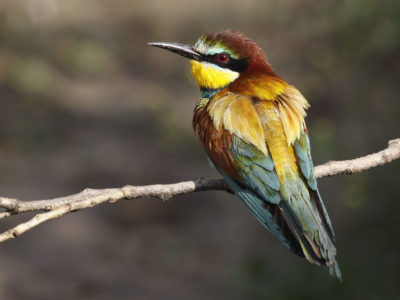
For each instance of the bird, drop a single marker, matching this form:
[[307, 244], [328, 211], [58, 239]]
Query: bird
[[251, 123]]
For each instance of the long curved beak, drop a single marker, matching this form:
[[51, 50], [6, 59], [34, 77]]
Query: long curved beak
[[181, 49]]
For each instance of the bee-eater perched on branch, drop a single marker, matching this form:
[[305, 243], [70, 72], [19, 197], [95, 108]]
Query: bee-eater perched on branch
[[251, 123]]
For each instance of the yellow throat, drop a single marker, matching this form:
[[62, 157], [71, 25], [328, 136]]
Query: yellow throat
[[210, 76]]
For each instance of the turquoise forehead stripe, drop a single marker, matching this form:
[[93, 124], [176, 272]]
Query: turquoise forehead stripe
[[208, 47]]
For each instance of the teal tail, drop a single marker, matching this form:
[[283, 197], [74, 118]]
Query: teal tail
[[308, 224], [293, 209]]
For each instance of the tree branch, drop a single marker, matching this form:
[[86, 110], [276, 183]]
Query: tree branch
[[55, 208], [360, 164]]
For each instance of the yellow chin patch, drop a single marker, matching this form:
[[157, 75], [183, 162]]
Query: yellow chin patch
[[211, 76]]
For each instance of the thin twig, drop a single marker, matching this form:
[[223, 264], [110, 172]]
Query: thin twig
[[55, 208]]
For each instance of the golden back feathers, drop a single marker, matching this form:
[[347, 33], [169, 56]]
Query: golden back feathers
[[292, 108], [237, 114]]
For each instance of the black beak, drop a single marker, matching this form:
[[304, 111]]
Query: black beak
[[181, 49]]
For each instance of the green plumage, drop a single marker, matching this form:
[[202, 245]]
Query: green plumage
[[292, 209], [303, 152], [256, 169]]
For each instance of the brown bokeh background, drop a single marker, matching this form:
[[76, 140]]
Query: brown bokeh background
[[84, 102]]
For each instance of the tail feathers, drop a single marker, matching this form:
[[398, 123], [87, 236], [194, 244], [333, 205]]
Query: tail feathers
[[317, 200], [334, 270], [306, 224]]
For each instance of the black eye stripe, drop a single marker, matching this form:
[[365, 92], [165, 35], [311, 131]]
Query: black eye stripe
[[237, 65]]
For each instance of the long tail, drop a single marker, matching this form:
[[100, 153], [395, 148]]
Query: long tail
[[305, 222]]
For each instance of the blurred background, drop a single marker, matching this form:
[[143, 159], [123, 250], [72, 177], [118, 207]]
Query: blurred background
[[86, 103]]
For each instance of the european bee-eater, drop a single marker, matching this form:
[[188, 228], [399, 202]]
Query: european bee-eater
[[251, 123]]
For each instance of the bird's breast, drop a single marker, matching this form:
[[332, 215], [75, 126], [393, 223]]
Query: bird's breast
[[217, 142]]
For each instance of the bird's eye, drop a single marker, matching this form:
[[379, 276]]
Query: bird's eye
[[222, 58]]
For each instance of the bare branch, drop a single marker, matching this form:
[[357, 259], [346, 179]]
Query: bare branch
[[55, 208], [360, 164]]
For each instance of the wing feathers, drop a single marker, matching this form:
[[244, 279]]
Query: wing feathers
[[237, 114]]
